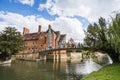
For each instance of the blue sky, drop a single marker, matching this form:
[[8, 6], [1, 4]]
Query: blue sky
[[24, 9], [68, 16]]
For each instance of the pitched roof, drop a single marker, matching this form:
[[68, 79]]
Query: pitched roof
[[57, 32], [31, 36], [51, 30], [62, 37]]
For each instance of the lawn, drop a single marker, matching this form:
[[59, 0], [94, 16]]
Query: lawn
[[110, 72]]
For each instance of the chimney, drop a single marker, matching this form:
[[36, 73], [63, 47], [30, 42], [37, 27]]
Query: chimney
[[25, 31], [49, 26], [39, 28]]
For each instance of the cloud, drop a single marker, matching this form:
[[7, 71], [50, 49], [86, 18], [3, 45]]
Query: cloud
[[90, 9], [17, 20], [70, 26], [27, 2]]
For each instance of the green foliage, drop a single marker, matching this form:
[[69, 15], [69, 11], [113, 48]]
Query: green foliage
[[90, 38], [11, 41], [101, 37], [95, 35], [86, 52], [114, 33], [110, 72]]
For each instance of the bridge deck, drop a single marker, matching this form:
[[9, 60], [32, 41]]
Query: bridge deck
[[59, 49]]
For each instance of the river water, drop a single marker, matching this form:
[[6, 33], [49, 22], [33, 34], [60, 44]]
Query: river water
[[47, 70]]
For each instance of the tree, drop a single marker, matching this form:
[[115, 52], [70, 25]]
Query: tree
[[107, 39], [102, 33], [11, 41], [114, 38], [115, 27]]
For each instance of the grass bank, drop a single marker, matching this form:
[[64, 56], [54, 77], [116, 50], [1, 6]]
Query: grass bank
[[110, 72]]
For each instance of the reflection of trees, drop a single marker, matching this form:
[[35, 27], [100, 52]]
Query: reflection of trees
[[22, 70], [26, 70], [40, 70]]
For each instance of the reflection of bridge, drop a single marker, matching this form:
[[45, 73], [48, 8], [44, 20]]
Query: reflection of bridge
[[57, 53], [60, 49]]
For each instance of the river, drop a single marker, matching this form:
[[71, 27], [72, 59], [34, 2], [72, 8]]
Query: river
[[47, 70]]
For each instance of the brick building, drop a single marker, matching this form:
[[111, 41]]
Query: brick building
[[34, 42]]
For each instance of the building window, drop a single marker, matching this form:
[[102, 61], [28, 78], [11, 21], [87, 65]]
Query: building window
[[34, 44], [33, 50]]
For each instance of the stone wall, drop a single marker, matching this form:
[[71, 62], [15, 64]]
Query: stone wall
[[32, 56]]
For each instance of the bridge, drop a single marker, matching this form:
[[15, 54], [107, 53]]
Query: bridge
[[45, 51], [57, 53]]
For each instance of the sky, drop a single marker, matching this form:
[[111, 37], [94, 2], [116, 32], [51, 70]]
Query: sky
[[70, 17]]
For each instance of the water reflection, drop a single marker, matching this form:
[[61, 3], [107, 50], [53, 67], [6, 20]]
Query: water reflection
[[59, 70], [25, 70]]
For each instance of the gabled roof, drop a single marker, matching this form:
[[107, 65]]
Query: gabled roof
[[51, 30], [62, 37], [57, 32], [36, 35]]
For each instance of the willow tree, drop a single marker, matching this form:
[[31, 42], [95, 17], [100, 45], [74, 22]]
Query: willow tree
[[11, 41], [116, 33], [114, 37]]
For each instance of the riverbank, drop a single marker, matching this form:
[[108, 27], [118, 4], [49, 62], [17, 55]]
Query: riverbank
[[110, 72]]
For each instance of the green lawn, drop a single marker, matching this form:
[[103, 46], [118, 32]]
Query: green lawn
[[110, 72]]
